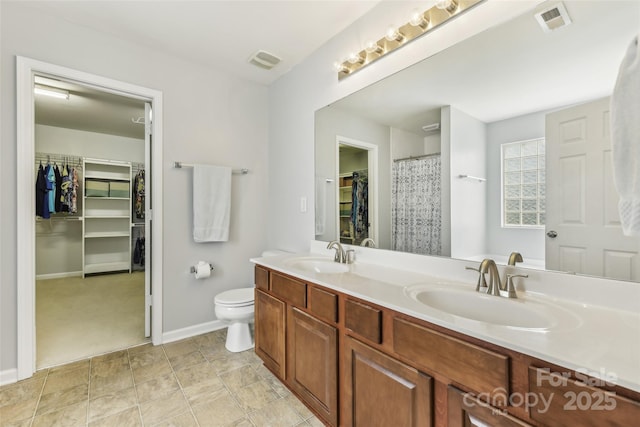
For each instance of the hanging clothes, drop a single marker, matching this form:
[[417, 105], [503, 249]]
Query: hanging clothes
[[58, 178], [138, 252], [360, 206], [138, 194], [73, 190], [65, 195], [41, 191], [51, 188]]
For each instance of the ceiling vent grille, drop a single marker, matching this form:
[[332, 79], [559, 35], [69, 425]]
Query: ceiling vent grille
[[552, 18], [431, 128], [264, 60]]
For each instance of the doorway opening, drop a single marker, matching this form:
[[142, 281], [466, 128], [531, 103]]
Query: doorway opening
[[86, 259], [90, 221], [357, 191]]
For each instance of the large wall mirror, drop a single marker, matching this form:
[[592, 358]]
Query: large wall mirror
[[497, 144]]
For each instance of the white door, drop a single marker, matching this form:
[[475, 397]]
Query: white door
[[147, 219], [582, 225]]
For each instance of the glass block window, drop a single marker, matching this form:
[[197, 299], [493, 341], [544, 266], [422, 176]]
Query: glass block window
[[523, 183]]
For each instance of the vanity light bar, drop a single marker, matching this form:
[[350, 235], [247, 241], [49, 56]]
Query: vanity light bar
[[395, 38]]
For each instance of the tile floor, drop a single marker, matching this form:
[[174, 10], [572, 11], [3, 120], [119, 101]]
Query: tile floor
[[194, 382]]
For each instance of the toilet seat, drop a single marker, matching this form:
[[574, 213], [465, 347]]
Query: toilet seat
[[235, 297]]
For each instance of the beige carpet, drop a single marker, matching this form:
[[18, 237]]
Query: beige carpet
[[77, 318]]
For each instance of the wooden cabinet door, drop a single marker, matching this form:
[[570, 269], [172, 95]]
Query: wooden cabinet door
[[312, 363], [270, 332], [381, 391], [464, 410]]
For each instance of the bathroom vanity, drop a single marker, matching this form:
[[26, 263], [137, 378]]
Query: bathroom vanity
[[359, 345]]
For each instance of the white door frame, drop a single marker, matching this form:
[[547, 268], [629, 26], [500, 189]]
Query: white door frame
[[26, 69], [372, 160]]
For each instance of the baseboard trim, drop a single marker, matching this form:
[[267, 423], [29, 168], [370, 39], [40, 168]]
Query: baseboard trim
[[8, 376], [58, 275], [192, 331]]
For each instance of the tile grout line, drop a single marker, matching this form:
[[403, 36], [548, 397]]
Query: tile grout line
[[164, 351], [35, 410], [135, 388], [89, 392]]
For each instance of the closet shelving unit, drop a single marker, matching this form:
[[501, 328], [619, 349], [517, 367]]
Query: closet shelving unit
[[106, 229], [345, 204]]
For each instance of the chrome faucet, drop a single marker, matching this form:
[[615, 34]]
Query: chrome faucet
[[368, 242], [340, 254], [514, 257]]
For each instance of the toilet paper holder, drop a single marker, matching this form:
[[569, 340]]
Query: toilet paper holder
[[194, 268]]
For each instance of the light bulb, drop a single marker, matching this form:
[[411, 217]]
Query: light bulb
[[340, 67], [373, 47], [418, 19], [393, 35], [355, 58], [448, 5]]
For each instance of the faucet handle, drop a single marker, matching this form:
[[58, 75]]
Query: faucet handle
[[482, 282], [511, 289], [351, 256]]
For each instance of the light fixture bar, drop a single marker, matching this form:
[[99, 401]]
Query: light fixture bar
[[398, 37], [51, 91]]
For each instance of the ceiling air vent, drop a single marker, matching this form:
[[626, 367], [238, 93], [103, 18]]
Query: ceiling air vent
[[264, 60], [431, 128], [553, 18]]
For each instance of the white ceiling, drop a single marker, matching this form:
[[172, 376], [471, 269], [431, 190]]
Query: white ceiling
[[219, 34], [509, 70], [489, 76]]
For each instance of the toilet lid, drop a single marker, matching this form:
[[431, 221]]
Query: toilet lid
[[236, 297]]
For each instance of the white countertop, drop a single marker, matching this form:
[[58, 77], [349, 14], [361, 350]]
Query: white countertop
[[601, 341]]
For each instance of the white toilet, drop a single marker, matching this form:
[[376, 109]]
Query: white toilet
[[236, 307]]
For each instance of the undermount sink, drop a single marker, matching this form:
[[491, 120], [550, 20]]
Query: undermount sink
[[501, 311], [317, 265]]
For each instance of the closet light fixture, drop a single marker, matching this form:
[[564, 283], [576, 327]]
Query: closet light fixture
[[53, 92], [419, 24]]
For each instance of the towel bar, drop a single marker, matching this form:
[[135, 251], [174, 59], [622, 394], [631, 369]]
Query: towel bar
[[180, 165]]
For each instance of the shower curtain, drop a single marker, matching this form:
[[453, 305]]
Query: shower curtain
[[416, 217]]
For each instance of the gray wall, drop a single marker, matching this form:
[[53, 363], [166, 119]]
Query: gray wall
[[502, 241], [209, 117], [468, 197], [331, 122]]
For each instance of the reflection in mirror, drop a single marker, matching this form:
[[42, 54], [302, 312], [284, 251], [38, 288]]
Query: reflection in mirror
[[514, 83]]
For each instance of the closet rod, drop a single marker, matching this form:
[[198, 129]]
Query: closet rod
[[180, 165]]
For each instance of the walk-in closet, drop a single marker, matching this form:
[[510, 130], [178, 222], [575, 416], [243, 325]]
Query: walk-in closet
[[90, 201]]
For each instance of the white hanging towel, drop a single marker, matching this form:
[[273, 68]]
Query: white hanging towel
[[625, 134], [211, 203], [321, 204]]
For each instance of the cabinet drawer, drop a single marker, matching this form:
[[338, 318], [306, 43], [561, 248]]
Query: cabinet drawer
[[566, 402], [481, 370], [465, 410], [289, 289], [323, 304], [363, 320], [261, 278]]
